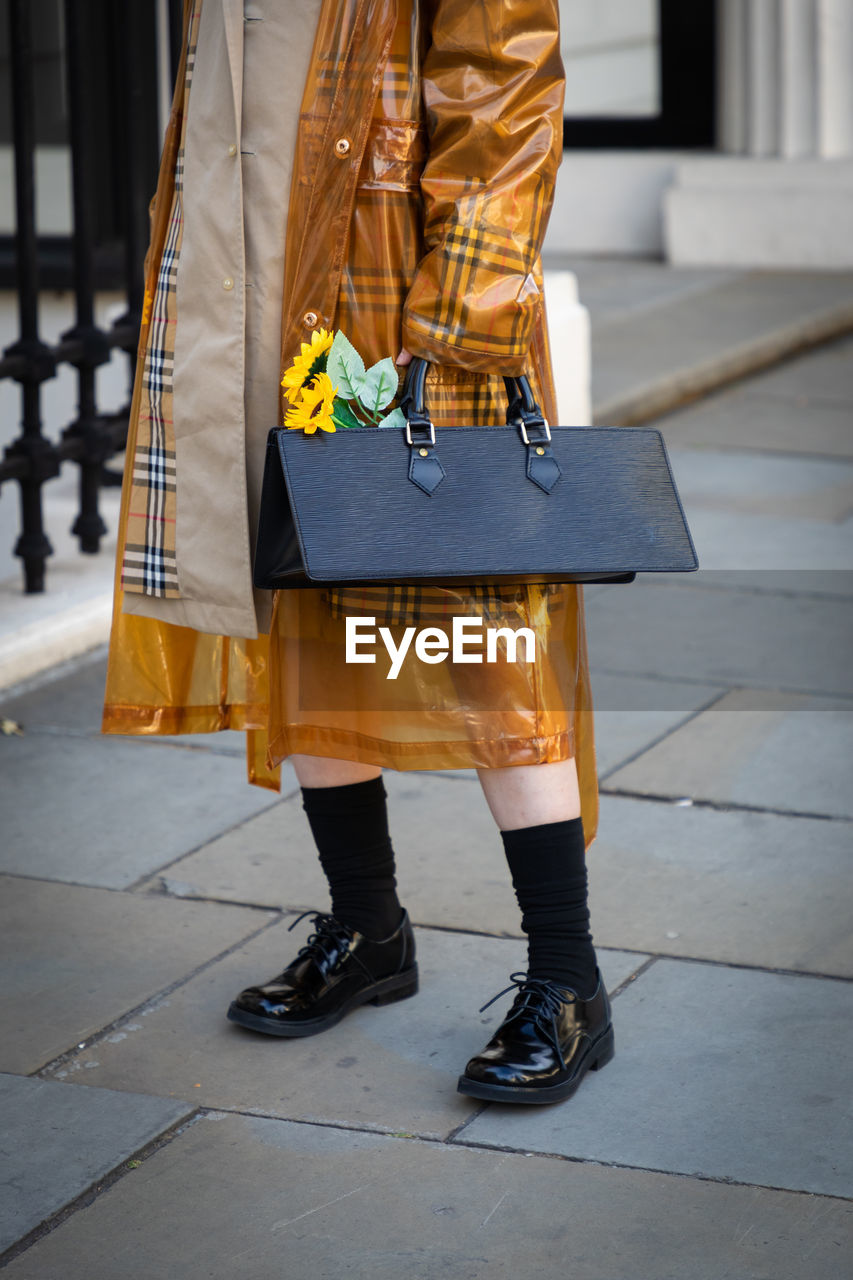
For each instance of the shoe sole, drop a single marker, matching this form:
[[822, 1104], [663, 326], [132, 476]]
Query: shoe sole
[[599, 1055], [398, 987]]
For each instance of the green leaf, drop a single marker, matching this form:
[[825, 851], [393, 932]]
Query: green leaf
[[345, 367], [379, 385], [343, 416], [396, 418]]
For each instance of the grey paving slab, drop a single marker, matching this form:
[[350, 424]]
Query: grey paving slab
[[620, 735], [819, 376], [681, 631], [70, 695], [451, 871], [821, 547], [106, 812], [74, 959], [796, 489], [73, 697], [391, 1068], [621, 694], [631, 713], [738, 540], [815, 583], [759, 511], [719, 1072], [451, 868], [240, 1196], [744, 418], [82, 1134], [740, 888], [271, 860], [771, 751]]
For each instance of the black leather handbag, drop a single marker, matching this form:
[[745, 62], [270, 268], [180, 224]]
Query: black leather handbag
[[523, 503]]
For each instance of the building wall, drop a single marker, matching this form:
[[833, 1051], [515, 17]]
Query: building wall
[[777, 190]]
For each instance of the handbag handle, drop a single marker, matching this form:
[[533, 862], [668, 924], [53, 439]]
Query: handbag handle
[[425, 469]]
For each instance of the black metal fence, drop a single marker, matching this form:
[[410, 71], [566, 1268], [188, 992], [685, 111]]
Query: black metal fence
[[108, 93]]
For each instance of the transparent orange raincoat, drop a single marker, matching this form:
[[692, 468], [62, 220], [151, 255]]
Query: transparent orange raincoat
[[427, 150]]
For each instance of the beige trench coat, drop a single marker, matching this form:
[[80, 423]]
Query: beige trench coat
[[239, 146]]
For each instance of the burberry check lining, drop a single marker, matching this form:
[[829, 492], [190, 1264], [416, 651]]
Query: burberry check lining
[[150, 562]]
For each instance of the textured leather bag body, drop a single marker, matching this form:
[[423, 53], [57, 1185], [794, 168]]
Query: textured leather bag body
[[523, 503]]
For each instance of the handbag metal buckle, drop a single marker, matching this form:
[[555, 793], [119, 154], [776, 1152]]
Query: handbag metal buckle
[[419, 427], [525, 436]]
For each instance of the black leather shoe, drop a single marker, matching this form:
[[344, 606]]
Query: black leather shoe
[[544, 1047], [337, 970]]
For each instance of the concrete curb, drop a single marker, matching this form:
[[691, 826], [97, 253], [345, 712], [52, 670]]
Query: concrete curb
[[673, 391], [41, 645]]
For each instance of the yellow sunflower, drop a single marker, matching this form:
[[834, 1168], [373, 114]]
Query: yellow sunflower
[[304, 364], [315, 406]]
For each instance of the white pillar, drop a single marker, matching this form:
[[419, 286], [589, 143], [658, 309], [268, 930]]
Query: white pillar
[[796, 99], [569, 334], [785, 79], [781, 192], [164, 65], [760, 99], [835, 82]]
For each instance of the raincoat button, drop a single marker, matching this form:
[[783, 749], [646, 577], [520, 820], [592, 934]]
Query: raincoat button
[[342, 147], [232, 150], [310, 319], [227, 283]]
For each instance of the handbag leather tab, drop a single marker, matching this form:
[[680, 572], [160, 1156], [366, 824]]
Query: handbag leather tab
[[542, 467], [425, 469]]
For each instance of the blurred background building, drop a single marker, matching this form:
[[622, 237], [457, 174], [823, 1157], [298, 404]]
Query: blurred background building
[[715, 132]]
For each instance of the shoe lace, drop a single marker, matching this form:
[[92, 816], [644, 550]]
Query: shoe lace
[[328, 936], [542, 999]]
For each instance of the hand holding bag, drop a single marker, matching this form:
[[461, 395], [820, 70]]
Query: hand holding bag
[[523, 503]]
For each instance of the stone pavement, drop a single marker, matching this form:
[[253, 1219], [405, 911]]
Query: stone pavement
[[147, 1136]]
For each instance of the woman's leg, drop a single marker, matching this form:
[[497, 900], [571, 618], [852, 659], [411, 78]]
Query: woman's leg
[[559, 1025], [318, 771], [365, 949], [537, 808], [532, 793], [346, 809]]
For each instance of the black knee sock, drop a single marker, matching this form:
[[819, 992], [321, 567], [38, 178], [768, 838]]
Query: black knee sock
[[350, 828], [548, 868]]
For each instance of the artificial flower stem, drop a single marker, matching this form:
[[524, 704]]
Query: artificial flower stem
[[355, 406]]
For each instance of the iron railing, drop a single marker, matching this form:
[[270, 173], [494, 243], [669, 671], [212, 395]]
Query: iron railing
[[113, 162]]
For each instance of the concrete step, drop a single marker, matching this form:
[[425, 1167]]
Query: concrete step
[[664, 336]]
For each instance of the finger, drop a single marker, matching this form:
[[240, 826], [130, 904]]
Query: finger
[[405, 357]]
